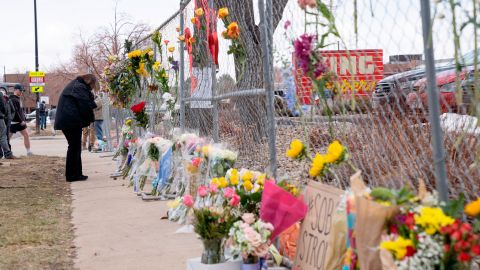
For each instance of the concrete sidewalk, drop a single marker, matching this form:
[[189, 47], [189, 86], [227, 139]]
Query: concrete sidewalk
[[114, 229]]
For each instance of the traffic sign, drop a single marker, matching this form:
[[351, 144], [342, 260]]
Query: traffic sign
[[37, 89], [37, 78]]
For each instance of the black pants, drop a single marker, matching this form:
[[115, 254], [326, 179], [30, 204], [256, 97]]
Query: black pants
[[74, 153]]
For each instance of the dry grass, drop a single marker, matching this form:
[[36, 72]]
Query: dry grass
[[35, 211]]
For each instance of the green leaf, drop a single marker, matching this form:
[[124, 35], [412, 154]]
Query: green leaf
[[382, 194], [454, 208]]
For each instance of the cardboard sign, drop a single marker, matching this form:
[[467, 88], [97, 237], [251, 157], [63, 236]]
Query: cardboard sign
[[314, 244]]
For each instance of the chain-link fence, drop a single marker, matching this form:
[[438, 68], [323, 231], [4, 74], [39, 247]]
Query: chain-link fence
[[353, 71]]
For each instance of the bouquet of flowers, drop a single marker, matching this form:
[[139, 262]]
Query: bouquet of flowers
[[429, 235], [220, 160], [250, 238], [249, 186], [212, 224], [140, 116]]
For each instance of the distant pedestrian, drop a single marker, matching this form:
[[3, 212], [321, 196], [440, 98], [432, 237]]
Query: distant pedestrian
[[74, 112], [42, 110], [99, 117], [18, 122], [11, 113], [52, 114], [5, 150], [88, 137]]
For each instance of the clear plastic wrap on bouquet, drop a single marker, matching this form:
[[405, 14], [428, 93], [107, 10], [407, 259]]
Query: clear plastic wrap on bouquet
[[220, 160]]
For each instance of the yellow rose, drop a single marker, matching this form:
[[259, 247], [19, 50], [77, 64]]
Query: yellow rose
[[473, 209], [171, 49], [222, 182], [247, 176], [398, 247], [261, 179], [335, 152], [318, 165], [247, 185], [296, 149], [222, 13], [199, 12], [234, 179], [215, 181]]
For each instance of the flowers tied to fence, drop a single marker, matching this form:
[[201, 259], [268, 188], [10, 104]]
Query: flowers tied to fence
[[320, 163], [232, 33], [140, 116]]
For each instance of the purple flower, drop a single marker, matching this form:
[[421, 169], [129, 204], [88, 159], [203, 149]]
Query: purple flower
[[287, 24], [175, 65], [306, 58]]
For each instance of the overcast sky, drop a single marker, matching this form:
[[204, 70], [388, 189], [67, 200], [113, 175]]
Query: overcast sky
[[60, 22], [391, 25]]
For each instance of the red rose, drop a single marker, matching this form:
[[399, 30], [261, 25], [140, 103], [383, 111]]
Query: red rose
[[465, 228], [138, 108], [446, 248], [464, 257], [410, 220], [456, 236], [410, 251], [476, 250]]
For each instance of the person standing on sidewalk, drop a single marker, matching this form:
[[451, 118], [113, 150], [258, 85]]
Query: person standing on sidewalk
[[5, 150], [99, 117], [42, 108], [88, 137], [18, 122], [51, 114], [75, 111]]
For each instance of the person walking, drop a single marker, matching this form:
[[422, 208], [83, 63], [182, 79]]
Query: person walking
[[42, 109], [74, 112], [18, 122], [52, 114], [5, 150]]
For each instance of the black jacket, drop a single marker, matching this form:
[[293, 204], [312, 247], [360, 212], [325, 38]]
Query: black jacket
[[75, 107], [19, 113], [3, 107]]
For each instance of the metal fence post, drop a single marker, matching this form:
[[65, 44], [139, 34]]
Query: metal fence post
[[433, 104], [266, 32], [181, 66], [215, 131]]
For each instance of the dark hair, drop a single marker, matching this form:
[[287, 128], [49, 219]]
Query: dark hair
[[90, 80]]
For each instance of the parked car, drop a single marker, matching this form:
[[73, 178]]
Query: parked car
[[31, 116], [393, 90], [447, 87]]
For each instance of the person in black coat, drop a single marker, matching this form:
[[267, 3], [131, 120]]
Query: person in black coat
[[74, 112]]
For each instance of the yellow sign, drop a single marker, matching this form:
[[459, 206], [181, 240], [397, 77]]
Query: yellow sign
[[36, 74], [37, 89]]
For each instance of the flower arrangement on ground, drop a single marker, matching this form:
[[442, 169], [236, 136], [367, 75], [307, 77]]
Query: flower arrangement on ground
[[250, 239], [212, 224], [220, 160], [140, 116]]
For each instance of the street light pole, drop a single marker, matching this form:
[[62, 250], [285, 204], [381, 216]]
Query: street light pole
[[37, 113]]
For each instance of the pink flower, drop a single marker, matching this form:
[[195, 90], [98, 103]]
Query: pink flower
[[310, 3], [269, 226], [287, 24], [248, 218], [213, 188], [253, 237], [235, 201], [261, 250], [196, 161], [202, 191], [188, 200], [228, 192]]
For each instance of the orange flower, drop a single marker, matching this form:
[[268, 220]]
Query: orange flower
[[233, 30], [225, 34], [171, 49], [222, 13], [181, 38], [199, 12], [193, 20], [191, 40]]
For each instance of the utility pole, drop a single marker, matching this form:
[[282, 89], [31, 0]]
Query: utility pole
[[37, 112]]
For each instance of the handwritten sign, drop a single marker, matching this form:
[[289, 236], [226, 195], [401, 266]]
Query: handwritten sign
[[314, 244]]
